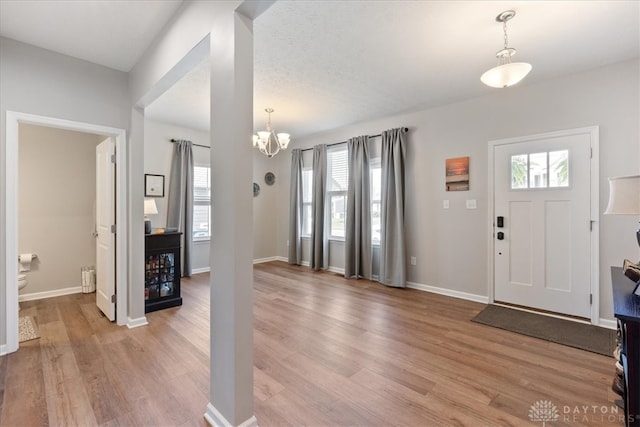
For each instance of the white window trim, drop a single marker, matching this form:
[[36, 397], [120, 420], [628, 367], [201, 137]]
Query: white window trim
[[195, 203]]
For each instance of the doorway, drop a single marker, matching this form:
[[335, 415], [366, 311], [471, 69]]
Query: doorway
[[11, 218], [543, 242]]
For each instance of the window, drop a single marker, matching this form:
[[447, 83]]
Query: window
[[201, 203], [375, 172], [307, 217], [338, 178], [540, 170]]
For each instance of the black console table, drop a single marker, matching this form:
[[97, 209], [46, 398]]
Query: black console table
[[626, 308], [162, 271]]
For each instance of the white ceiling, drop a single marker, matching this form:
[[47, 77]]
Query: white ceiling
[[325, 64]]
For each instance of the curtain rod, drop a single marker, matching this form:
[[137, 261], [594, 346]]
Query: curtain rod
[[344, 142], [175, 141]]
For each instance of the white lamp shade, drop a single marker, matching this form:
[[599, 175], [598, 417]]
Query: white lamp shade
[[506, 75], [624, 196], [283, 139], [150, 207]]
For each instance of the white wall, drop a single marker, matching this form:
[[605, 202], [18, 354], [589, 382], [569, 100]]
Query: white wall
[[56, 195], [158, 151], [451, 245], [41, 82]]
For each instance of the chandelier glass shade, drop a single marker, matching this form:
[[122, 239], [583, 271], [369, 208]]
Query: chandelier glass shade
[[269, 142], [506, 73]]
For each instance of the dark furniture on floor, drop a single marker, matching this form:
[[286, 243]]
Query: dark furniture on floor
[[162, 271], [626, 308]]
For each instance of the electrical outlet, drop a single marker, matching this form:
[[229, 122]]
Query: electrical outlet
[[413, 260]]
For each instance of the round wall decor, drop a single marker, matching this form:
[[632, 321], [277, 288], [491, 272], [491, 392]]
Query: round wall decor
[[256, 189], [269, 178]]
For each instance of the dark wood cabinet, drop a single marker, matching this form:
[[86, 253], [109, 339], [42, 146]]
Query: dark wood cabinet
[[626, 308], [162, 271]]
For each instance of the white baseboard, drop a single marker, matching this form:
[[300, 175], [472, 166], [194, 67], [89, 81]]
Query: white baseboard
[[448, 292], [137, 322], [268, 259], [50, 294], [216, 419], [336, 270], [608, 323], [3, 349], [200, 270]]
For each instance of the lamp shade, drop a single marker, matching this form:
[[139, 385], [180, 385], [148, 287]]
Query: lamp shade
[[150, 207], [624, 196], [506, 75]]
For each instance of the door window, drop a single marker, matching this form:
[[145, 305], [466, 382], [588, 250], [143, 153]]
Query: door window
[[549, 169]]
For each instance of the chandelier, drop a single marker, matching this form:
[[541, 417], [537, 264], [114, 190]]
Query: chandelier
[[268, 142], [506, 73]]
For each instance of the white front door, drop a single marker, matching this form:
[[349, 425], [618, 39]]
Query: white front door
[[542, 243], [105, 218]]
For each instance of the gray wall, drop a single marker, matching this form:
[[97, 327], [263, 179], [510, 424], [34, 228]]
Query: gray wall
[[158, 151], [157, 160], [265, 205], [451, 245], [56, 195], [42, 82]]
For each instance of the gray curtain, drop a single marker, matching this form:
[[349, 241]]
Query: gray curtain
[[180, 203], [392, 238], [295, 208], [357, 252], [319, 242]]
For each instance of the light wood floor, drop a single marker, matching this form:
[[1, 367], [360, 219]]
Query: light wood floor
[[328, 352]]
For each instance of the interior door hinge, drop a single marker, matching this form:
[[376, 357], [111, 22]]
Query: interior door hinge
[[590, 299], [591, 225], [113, 158], [591, 152], [113, 228], [113, 298]]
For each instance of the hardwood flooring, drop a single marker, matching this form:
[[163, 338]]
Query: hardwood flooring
[[327, 352]]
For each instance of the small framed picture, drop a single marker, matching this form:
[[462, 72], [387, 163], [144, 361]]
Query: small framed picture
[[153, 185]]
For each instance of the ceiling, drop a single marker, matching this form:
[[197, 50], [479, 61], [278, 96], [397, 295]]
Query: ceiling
[[327, 64]]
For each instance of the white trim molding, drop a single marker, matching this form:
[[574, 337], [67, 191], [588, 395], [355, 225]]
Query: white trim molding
[[13, 119], [201, 270], [609, 324], [267, 259], [216, 419], [135, 323], [50, 294], [448, 292]]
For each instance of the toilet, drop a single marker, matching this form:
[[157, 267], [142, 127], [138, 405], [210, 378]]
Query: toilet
[[22, 281]]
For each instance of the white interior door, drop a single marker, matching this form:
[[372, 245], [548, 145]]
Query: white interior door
[[543, 256], [105, 218]]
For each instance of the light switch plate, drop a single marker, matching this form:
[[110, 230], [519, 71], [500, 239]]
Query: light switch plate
[[471, 204], [445, 204]]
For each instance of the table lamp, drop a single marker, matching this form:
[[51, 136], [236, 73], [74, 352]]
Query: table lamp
[[624, 197], [150, 208]]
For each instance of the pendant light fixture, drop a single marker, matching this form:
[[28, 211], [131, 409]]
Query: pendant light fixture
[[268, 142], [506, 73]]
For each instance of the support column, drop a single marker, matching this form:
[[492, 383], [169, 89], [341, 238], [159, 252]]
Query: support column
[[231, 394]]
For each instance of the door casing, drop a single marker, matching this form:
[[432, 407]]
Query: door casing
[[13, 119], [593, 132]]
